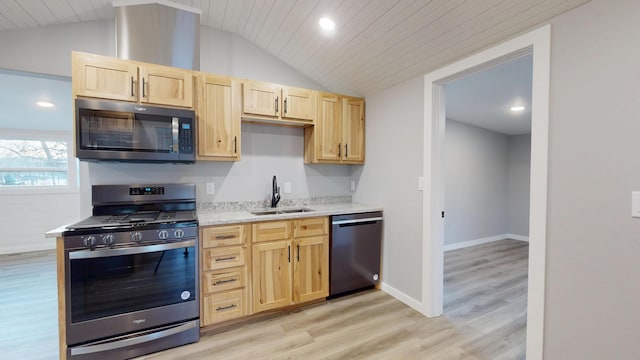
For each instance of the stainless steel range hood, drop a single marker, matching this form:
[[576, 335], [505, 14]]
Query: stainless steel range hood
[[158, 32]]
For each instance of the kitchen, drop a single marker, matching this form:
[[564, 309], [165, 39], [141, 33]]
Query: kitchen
[[564, 326]]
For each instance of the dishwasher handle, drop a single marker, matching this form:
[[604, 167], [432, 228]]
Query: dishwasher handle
[[356, 221]]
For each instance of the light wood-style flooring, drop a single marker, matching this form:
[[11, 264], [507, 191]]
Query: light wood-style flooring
[[485, 317]]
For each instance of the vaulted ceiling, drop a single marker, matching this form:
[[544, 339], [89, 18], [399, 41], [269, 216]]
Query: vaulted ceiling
[[376, 43]]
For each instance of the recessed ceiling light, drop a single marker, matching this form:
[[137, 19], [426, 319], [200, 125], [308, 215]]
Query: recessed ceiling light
[[517, 108], [327, 24], [44, 104]]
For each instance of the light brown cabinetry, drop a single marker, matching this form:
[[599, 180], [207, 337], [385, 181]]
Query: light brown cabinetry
[[278, 104], [338, 134], [218, 111], [224, 264], [110, 78], [290, 262]]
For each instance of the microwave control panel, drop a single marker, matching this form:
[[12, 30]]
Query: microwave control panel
[[186, 136]]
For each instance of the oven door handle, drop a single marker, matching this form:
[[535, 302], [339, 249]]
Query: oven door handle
[[92, 349], [92, 254]]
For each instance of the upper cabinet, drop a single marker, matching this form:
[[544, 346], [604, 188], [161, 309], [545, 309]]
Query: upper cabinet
[[111, 78], [338, 134], [278, 104], [218, 109]]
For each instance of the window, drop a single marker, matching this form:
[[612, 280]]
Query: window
[[36, 159]]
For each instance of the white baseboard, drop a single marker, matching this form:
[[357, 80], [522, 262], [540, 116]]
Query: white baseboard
[[465, 244], [46, 244], [406, 299], [518, 237], [489, 239]]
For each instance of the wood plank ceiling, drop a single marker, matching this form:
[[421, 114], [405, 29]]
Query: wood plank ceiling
[[376, 44]]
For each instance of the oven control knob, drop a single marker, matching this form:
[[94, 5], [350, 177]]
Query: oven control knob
[[163, 234], [107, 239], [136, 236], [89, 241], [178, 234]]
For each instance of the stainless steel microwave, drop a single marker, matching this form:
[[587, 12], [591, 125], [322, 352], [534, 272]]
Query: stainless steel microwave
[[122, 131]]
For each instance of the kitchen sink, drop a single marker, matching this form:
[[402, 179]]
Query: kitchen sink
[[280, 211]]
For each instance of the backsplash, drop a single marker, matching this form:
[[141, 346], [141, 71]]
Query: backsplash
[[245, 205]]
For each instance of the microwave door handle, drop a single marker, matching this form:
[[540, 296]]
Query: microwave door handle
[[175, 122]]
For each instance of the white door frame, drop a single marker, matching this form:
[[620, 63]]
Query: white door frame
[[537, 42]]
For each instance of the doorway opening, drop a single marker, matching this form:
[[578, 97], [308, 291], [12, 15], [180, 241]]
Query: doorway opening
[[487, 152], [536, 43]]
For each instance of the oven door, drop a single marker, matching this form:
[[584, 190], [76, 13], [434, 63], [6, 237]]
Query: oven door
[[116, 291]]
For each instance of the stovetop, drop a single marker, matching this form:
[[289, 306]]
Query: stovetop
[[127, 221]]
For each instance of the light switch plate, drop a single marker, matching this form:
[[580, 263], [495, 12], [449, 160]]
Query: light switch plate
[[353, 185], [420, 183], [635, 204], [211, 188], [287, 187]]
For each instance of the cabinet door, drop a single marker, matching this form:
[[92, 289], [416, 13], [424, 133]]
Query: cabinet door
[[219, 119], [311, 268], [104, 77], [260, 99], [298, 103], [164, 85], [353, 130], [271, 275], [329, 128]]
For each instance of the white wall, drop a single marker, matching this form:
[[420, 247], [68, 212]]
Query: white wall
[[476, 182], [518, 188], [25, 217], [390, 178], [266, 151], [48, 50], [593, 246], [487, 190]]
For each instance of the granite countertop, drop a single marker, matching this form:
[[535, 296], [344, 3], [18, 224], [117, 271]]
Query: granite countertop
[[231, 213], [208, 217]]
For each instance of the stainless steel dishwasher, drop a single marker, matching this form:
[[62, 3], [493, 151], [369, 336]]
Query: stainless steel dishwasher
[[355, 251]]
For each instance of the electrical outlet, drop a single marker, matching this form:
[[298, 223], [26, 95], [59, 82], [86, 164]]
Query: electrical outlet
[[211, 188], [353, 185], [287, 187]]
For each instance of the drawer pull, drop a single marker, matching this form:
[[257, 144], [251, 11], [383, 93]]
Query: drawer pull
[[225, 281], [224, 237], [226, 258], [222, 308]]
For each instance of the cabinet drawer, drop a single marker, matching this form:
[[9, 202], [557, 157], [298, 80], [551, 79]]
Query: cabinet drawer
[[223, 280], [310, 227], [222, 258], [224, 235], [271, 230], [224, 306]]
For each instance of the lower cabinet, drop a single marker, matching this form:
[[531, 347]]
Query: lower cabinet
[[224, 264], [249, 268], [291, 269]]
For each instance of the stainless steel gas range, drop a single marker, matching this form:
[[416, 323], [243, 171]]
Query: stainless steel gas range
[[131, 272]]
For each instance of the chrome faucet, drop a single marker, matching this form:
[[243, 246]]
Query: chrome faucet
[[275, 193]]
